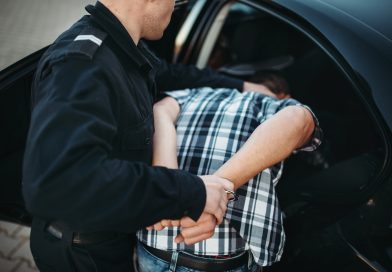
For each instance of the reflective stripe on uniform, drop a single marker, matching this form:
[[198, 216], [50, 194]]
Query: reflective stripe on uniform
[[89, 37]]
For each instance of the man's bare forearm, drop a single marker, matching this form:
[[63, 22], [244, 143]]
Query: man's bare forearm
[[164, 141], [272, 141], [165, 154]]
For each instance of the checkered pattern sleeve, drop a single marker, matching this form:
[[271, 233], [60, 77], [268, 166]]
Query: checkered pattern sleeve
[[182, 96], [270, 106]]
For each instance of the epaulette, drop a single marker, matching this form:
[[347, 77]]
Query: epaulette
[[88, 41]]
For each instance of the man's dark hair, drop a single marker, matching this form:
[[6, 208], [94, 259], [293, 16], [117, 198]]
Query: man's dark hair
[[273, 81]]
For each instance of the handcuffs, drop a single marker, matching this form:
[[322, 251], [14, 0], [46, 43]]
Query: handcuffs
[[234, 196]]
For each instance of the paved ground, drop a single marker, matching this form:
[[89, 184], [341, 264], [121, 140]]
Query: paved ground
[[15, 255], [26, 26]]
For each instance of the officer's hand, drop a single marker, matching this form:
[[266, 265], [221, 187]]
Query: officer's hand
[[217, 198], [163, 224], [216, 202], [193, 232]]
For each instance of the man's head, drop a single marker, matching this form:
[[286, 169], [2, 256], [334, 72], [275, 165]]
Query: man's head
[[142, 18], [274, 82]]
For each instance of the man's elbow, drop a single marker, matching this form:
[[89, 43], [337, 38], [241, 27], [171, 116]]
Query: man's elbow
[[167, 107], [302, 120]]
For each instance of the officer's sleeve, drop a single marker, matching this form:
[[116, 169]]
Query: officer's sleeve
[[179, 76], [68, 174]]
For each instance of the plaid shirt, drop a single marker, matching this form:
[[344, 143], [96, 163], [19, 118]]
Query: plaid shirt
[[213, 124]]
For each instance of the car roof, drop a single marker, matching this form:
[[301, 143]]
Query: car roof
[[372, 13]]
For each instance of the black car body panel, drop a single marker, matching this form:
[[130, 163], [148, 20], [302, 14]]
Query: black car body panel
[[363, 38], [354, 35]]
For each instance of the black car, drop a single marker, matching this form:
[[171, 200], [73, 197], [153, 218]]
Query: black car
[[337, 58]]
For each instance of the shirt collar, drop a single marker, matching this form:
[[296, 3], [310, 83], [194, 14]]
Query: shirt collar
[[105, 19]]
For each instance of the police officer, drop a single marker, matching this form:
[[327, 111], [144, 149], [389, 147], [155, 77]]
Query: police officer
[[86, 174]]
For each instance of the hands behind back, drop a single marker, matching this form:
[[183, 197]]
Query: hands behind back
[[214, 211]]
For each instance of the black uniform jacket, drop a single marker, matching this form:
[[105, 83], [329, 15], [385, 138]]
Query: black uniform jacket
[[89, 145]]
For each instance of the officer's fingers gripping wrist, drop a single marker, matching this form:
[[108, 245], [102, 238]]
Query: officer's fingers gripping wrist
[[158, 226], [227, 184], [174, 223], [219, 216], [187, 222], [197, 239], [150, 228], [166, 223], [179, 238]]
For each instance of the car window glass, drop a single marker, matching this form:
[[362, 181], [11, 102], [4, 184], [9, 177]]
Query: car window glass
[[235, 24], [27, 26]]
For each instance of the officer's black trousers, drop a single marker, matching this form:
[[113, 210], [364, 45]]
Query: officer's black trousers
[[52, 254]]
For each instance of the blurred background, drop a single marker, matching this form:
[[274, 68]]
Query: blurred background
[[25, 27], [28, 25]]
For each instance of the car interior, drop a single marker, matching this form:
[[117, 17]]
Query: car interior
[[317, 188], [320, 187]]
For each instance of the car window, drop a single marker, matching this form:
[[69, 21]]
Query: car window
[[27, 26], [237, 24]]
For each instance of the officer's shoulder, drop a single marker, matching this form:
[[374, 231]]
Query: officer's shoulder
[[86, 43], [80, 42]]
